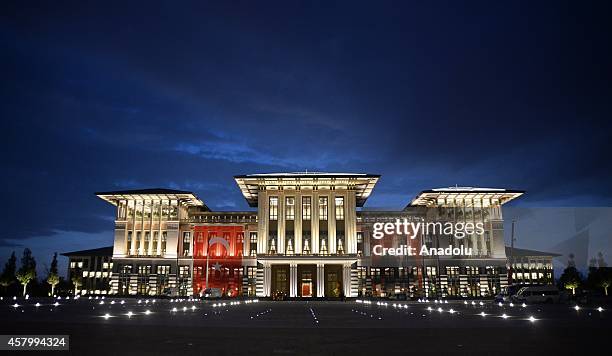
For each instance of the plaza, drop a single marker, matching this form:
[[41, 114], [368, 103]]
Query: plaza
[[250, 326]]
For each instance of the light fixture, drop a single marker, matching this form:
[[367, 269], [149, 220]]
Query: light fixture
[[532, 319], [577, 308], [147, 312], [505, 316], [106, 316], [600, 309]]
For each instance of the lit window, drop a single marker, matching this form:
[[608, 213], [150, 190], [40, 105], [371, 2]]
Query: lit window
[[322, 208], [186, 243], [339, 208], [290, 208], [273, 208], [306, 208]]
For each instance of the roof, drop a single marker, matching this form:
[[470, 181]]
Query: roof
[[102, 251], [432, 197], [186, 197], [521, 252], [251, 184]]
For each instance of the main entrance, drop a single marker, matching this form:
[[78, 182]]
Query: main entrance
[[307, 281]]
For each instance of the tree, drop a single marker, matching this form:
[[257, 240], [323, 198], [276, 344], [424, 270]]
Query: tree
[[53, 276], [8, 274], [27, 272], [570, 279], [77, 279], [605, 283], [600, 277]]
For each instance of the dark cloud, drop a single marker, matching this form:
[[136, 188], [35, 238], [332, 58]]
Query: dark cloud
[[111, 96]]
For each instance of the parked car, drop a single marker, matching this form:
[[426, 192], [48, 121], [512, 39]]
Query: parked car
[[212, 293], [507, 293], [537, 294]]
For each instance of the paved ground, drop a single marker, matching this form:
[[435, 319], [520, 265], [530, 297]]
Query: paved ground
[[309, 327]]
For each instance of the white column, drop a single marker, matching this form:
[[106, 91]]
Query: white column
[[262, 225], [293, 283], [320, 280], [350, 221], [346, 280], [297, 224], [267, 280], [159, 229], [280, 243], [314, 233], [331, 223]]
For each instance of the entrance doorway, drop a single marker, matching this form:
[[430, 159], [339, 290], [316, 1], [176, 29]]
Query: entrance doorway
[[280, 279], [307, 281], [333, 281]]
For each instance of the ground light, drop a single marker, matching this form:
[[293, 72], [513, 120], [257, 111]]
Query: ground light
[[505, 316], [577, 308], [600, 309], [129, 314], [147, 312], [483, 314], [532, 319]]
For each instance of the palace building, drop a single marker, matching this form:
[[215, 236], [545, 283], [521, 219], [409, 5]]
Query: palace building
[[308, 236]]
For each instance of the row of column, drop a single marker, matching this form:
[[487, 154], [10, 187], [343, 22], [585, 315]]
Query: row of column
[[347, 277], [350, 220]]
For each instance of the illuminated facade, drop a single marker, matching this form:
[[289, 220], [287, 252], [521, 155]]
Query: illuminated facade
[[309, 237], [91, 270]]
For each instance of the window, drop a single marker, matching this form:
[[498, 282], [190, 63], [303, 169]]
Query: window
[[339, 208], [146, 243], [163, 242], [273, 208], [290, 208], [253, 238], [306, 208], [155, 238], [129, 243], [165, 269], [186, 243], [322, 208], [138, 243], [239, 243]]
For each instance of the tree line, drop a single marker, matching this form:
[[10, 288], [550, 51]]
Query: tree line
[[26, 276]]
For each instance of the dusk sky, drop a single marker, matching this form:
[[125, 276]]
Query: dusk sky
[[110, 96]]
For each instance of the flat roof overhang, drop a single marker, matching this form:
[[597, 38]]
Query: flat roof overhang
[[251, 184], [433, 197], [185, 197]]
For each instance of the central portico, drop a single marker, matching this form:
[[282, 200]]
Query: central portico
[[307, 231]]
